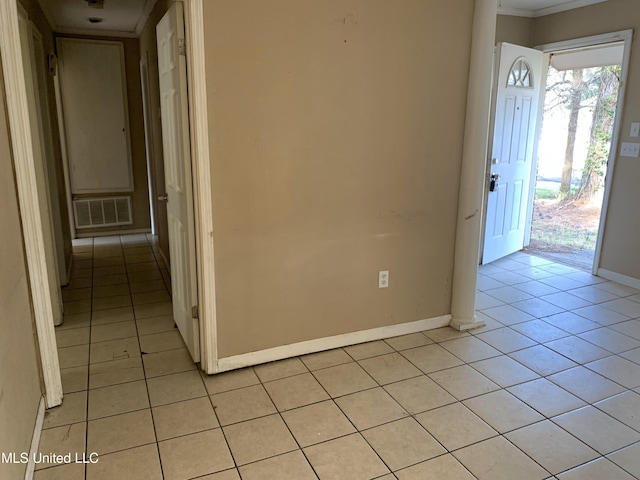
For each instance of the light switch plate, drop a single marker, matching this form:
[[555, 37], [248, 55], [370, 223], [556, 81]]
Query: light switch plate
[[635, 129], [630, 149]]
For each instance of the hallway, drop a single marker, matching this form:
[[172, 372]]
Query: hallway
[[549, 388]]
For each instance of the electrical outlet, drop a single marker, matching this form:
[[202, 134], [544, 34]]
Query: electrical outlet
[[383, 279], [630, 149], [635, 129]]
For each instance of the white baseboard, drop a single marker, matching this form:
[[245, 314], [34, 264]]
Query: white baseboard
[[69, 267], [618, 277], [164, 259], [462, 325], [35, 442], [327, 343], [112, 233]]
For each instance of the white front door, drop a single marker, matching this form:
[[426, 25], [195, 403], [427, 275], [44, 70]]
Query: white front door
[[515, 115], [177, 169]]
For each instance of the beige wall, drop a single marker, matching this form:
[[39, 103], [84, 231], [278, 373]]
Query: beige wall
[[515, 30], [149, 49], [19, 376], [620, 248], [336, 134], [140, 195]]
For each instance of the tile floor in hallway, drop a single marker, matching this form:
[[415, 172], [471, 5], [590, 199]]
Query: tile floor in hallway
[[549, 388]]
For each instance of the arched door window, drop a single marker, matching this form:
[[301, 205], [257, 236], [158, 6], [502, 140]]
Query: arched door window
[[520, 74]]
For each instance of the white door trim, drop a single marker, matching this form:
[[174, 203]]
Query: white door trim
[[546, 58], [43, 182], [148, 140], [201, 168], [41, 90], [65, 156], [23, 156], [625, 36]]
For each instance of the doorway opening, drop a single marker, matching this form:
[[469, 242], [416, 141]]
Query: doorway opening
[[580, 105], [509, 212]]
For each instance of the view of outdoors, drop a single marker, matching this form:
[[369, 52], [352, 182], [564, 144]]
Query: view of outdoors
[[577, 126]]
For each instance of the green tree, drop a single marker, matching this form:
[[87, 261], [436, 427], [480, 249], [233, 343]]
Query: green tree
[[602, 120], [575, 90], [575, 104]]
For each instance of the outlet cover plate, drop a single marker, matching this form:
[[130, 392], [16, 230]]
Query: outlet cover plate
[[383, 279]]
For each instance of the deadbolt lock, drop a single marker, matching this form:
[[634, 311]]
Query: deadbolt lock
[[493, 179]]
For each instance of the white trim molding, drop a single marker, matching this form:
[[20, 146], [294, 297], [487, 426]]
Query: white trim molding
[[202, 186], [541, 12], [111, 233], [328, 343], [35, 442], [24, 162], [96, 32], [592, 40], [619, 278], [69, 268]]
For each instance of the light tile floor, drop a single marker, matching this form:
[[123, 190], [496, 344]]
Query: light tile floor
[[549, 388]]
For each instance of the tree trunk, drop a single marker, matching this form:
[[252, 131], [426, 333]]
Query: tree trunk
[[577, 85], [601, 131]]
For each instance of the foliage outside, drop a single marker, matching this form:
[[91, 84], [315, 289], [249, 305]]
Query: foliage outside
[[595, 89], [566, 219]]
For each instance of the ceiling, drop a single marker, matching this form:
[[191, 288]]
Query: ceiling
[[123, 18], [539, 8], [126, 18]]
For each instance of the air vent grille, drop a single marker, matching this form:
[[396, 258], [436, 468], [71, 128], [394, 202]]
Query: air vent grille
[[102, 212]]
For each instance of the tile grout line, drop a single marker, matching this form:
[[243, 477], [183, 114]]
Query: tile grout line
[[378, 385], [144, 372], [86, 428]]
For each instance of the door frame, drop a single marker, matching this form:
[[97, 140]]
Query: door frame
[[48, 155], [625, 36], [25, 171], [35, 90], [148, 140], [202, 186]]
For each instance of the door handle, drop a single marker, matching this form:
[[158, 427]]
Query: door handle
[[163, 198]]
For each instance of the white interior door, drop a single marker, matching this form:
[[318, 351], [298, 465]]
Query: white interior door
[[515, 113], [177, 167], [96, 116], [40, 167], [46, 140]]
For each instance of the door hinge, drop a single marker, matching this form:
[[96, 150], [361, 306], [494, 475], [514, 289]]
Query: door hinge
[[182, 47], [195, 312]]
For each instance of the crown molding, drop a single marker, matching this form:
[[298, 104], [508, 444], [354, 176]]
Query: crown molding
[[541, 12]]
